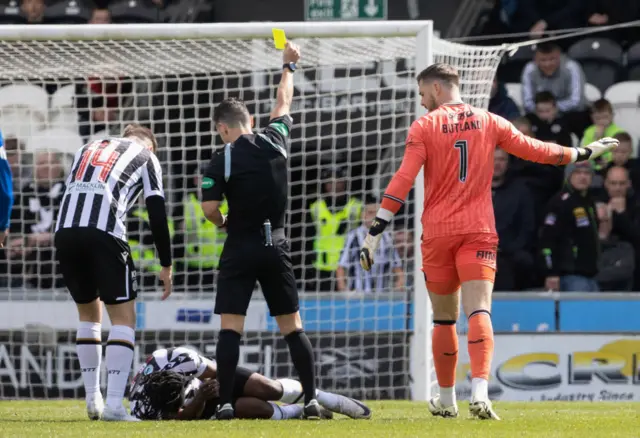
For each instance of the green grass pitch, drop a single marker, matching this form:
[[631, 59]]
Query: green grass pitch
[[390, 419]]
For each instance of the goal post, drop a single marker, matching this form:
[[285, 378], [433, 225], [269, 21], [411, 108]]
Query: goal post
[[61, 86]]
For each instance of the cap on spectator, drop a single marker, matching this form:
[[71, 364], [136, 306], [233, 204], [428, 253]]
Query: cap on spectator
[[568, 170], [336, 172]]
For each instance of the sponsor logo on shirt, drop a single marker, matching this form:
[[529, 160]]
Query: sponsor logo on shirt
[[582, 220]]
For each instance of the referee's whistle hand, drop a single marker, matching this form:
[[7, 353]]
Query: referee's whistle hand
[[167, 281]]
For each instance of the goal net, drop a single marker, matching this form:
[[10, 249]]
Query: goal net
[[355, 99]]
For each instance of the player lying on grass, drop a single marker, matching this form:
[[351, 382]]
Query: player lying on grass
[[180, 384]]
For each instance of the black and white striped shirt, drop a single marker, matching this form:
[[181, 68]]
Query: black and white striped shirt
[[106, 178], [380, 277]]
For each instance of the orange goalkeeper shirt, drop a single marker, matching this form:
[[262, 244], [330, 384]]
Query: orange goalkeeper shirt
[[455, 144]]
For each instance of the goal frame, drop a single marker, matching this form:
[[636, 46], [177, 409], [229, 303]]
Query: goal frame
[[420, 348]]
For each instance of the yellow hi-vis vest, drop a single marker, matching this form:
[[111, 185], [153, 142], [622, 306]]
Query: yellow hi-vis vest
[[142, 255], [328, 243], [203, 241]]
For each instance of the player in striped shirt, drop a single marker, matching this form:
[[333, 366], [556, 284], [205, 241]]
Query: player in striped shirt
[[178, 383], [106, 178], [385, 276], [454, 142], [6, 192]]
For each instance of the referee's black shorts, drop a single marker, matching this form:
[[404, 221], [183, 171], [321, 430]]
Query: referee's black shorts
[[95, 264], [244, 260]]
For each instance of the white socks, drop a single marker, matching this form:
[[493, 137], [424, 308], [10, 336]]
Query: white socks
[[89, 350], [287, 412], [448, 396], [291, 391], [479, 389], [119, 358]]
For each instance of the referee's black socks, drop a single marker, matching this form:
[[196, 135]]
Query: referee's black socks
[[302, 357], [227, 355]]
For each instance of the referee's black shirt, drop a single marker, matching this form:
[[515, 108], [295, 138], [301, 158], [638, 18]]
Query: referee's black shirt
[[252, 174]]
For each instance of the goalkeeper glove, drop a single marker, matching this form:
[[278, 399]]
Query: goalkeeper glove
[[371, 243], [596, 149]]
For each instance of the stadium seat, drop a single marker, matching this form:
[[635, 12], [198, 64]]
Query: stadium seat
[[61, 140], [591, 92], [601, 60], [133, 11], [32, 100], [625, 93], [68, 12], [633, 62], [10, 12], [18, 125], [64, 97], [63, 113], [625, 98], [514, 90], [511, 68]]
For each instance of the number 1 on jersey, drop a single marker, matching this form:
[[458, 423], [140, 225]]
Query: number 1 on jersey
[[464, 159]]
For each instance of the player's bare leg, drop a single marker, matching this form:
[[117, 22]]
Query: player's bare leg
[[445, 299], [302, 356], [476, 301], [227, 356], [89, 350], [290, 391], [119, 358]]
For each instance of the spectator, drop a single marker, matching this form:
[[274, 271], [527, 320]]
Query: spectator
[[624, 212], [500, 102], [203, 241], [30, 248], [33, 10], [542, 180], [621, 157], [540, 16], [569, 240], [546, 123], [515, 226], [552, 71], [523, 124], [603, 126], [100, 16], [351, 277], [332, 215], [141, 244], [610, 12]]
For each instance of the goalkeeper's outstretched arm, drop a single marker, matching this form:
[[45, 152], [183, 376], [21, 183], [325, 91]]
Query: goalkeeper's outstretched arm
[[284, 95], [518, 144]]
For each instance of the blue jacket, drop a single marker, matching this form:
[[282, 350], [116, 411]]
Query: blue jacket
[[6, 188], [502, 105]]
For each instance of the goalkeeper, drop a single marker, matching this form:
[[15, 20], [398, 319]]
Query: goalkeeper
[[180, 384]]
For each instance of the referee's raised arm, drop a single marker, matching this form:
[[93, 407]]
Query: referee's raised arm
[[284, 97]]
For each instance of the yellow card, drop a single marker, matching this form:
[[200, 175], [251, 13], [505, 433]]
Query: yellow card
[[279, 38]]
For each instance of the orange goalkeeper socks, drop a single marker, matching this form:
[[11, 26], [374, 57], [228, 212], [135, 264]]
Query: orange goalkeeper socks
[[445, 352], [480, 344]]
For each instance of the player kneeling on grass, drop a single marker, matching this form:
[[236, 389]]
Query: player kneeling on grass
[[179, 384]]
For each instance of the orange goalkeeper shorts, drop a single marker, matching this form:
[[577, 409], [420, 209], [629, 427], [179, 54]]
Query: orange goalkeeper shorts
[[456, 259]]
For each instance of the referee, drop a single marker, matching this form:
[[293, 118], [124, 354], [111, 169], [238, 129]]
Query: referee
[[251, 172], [106, 178]]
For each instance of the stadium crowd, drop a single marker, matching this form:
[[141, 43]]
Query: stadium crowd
[[571, 229]]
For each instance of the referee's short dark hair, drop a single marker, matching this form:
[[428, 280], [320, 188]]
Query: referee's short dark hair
[[440, 71], [232, 112], [141, 132]]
